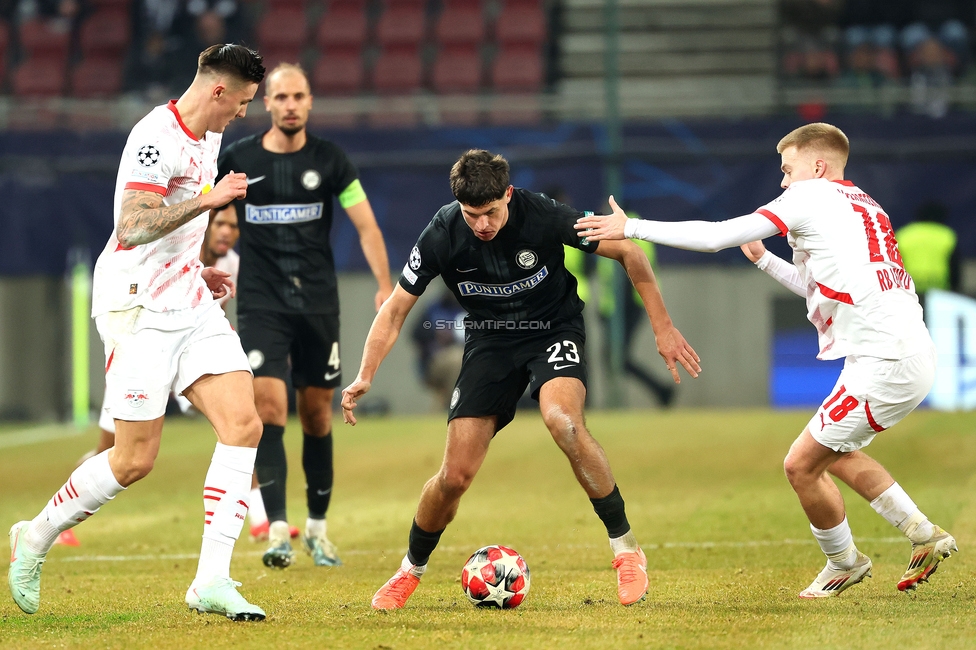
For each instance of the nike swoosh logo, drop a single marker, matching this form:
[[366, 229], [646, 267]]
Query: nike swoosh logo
[[252, 181], [322, 493], [467, 270], [568, 365], [331, 375], [263, 485]]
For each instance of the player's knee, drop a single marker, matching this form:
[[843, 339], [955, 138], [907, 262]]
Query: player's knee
[[796, 469], [563, 427], [455, 481], [317, 423], [243, 431]]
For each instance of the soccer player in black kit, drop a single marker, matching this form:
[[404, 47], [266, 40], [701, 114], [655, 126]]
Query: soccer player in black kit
[[500, 251], [288, 303]]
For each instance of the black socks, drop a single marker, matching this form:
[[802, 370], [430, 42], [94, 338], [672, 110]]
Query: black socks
[[610, 509], [271, 466], [422, 544], [317, 462]]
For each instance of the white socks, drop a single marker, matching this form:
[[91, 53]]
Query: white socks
[[626, 543], [315, 527], [900, 511], [416, 571], [837, 543], [256, 513], [225, 494], [89, 487]]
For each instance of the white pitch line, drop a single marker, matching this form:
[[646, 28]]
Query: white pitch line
[[38, 434], [454, 549]]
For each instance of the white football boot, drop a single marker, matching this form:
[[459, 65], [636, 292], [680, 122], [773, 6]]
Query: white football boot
[[220, 596], [24, 575], [926, 558], [831, 582]]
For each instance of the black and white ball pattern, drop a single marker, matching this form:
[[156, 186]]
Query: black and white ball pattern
[[148, 155]]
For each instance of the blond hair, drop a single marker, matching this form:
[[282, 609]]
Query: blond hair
[[820, 137], [285, 67]]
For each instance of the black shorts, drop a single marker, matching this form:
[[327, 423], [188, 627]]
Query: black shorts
[[496, 369], [311, 341]]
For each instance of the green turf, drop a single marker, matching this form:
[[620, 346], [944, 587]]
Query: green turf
[[698, 484]]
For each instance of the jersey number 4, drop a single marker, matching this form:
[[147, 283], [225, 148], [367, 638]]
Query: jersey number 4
[[872, 224]]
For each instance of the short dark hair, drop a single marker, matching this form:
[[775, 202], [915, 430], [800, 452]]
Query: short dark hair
[[479, 177], [235, 60]]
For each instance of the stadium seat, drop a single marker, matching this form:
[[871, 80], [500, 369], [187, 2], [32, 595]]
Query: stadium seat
[[397, 72], [457, 72], [114, 5], [460, 26], [106, 33], [40, 38], [39, 78], [416, 5], [282, 29], [521, 4], [521, 26], [96, 77], [273, 57], [517, 70], [338, 74], [342, 28], [401, 26]]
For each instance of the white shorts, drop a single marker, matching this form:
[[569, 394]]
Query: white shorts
[[148, 354], [872, 395]]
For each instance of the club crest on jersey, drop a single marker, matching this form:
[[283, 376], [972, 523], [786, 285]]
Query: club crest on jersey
[[526, 259], [415, 260], [311, 179], [136, 397], [148, 155], [255, 359], [455, 396]]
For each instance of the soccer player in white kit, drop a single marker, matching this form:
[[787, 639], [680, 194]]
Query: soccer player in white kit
[[862, 302], [155, 309]]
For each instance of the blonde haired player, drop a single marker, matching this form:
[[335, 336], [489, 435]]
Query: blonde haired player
[[155, 308], [862, 302]]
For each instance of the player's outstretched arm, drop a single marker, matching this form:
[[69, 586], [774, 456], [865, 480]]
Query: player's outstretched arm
[[144, 219], [777, 268], [374, 248], [705, 236], [671, 345], [382, 335]]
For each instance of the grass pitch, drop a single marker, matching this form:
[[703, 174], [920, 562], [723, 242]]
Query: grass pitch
[[727, 544]]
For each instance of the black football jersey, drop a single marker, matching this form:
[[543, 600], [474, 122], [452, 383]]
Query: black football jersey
[[517, 281], [286, 253]]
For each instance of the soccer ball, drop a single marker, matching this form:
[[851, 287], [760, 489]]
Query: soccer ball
[[495, 576]]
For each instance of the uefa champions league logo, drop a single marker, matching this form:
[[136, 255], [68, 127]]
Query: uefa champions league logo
[[415, 258], [148, 155]]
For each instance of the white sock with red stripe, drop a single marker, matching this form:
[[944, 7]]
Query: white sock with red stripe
[[89, 487], [225, 495]]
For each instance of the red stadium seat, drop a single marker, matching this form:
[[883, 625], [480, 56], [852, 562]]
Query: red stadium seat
[[290, 5], [517, 70], [96, 77], [342, 28], [460, 26], [463, 4], [283, 55], [416, 5], [521, 26], [397, 72], [457, 72], [338, 74], [106, 33], [282, 29], [401, 26], [521, 4], [39, 78], [44, 38]]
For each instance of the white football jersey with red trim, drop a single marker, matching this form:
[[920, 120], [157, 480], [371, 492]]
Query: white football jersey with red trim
[[859, 296], [163, 156]]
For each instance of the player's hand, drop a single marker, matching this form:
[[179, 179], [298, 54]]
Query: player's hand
[[350, 394], [598, 227], [381, 296], [231, 187], [674, 349], [754, 250], [218, 282]]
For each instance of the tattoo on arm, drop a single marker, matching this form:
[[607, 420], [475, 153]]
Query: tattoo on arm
[[144, 219]]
